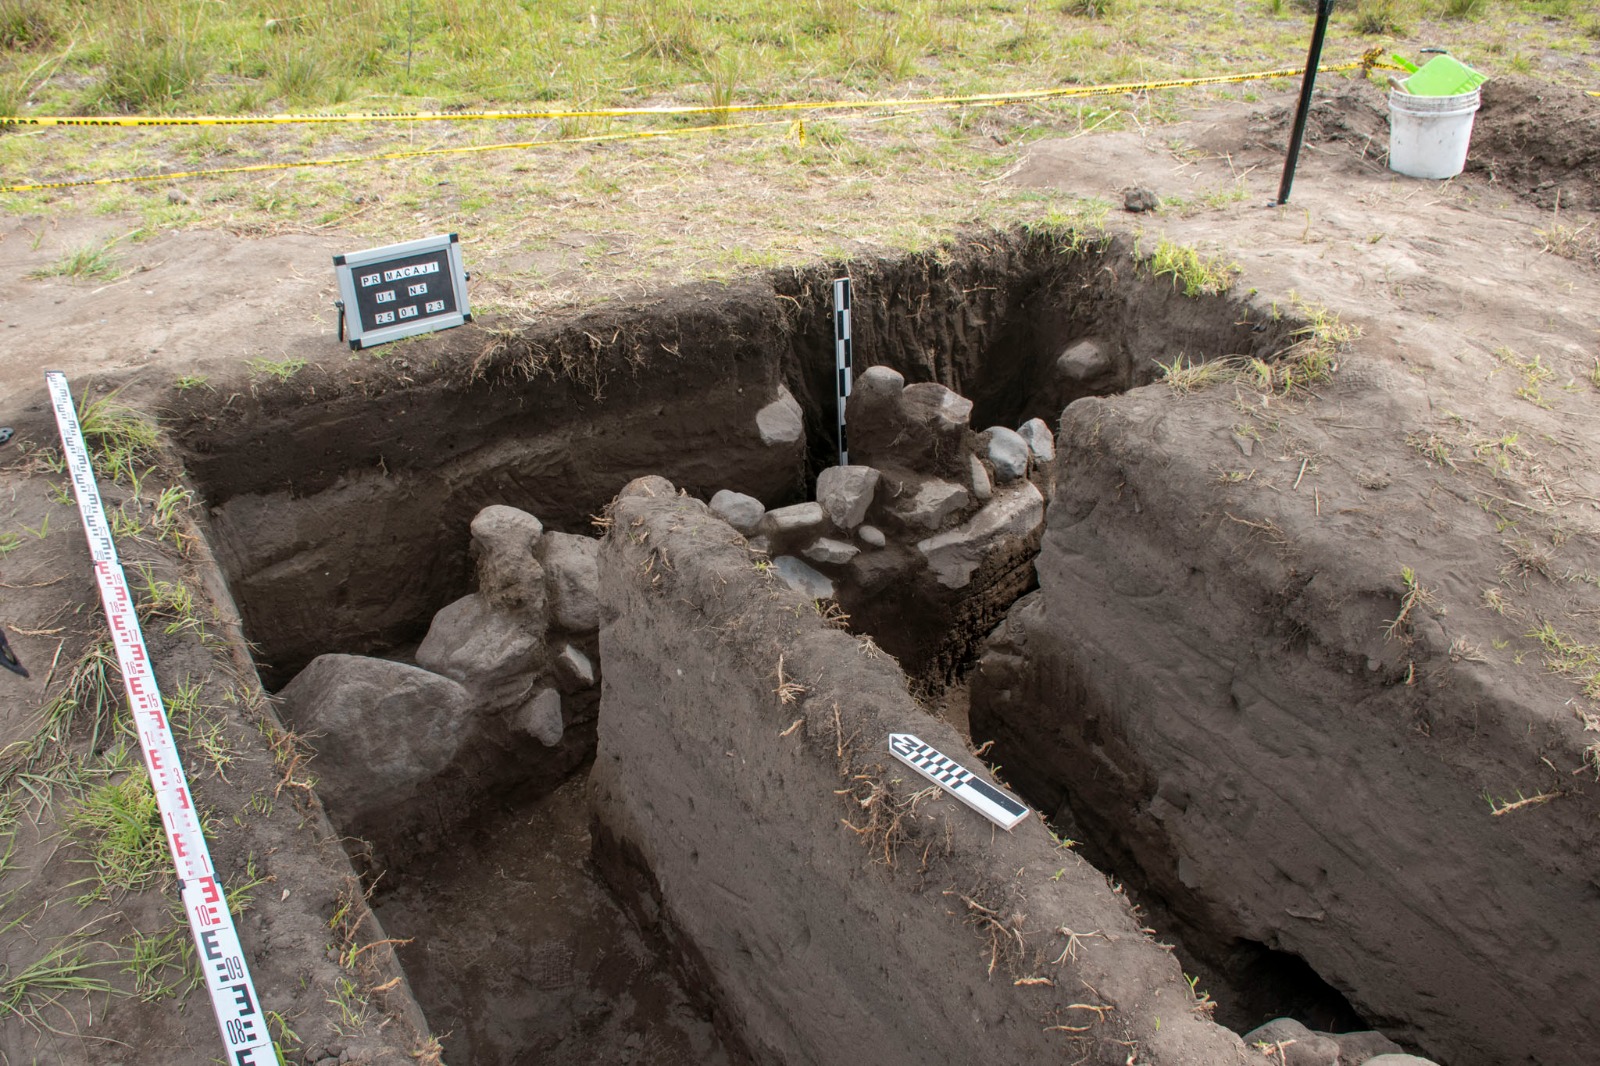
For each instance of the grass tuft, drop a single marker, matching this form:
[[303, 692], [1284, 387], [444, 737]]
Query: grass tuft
[[88, 261], [119, 825], [1192, 273]]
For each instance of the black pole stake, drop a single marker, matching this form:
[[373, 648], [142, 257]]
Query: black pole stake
[[1307, 83]]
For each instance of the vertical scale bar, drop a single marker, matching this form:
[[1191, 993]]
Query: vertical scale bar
[[227, 977], [843, 362]]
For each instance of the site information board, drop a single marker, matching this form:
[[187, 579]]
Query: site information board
[[401, 290]]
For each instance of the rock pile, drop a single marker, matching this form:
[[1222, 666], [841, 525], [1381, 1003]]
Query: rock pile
[[509, 669], [928, 497], [1286, 1041]]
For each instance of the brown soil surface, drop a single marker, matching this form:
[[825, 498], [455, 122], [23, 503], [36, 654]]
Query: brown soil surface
[[1482, 345], [521, 957]]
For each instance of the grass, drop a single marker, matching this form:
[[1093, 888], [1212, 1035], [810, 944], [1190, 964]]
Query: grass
[[277, 369], [119, 827], [27, 991], [122, 443], [87, 262], [1193, 273], [168, 601], [87, 705]]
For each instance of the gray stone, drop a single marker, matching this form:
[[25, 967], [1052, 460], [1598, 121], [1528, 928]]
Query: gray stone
[[380, 729], [738, 510], [802, 520], [573, 669], [982, 483], [572, 580], [1007, 453], [1084, 362], [495, 653], [540, 718], [1357, 1048], [802, 578], [845, 493], [872, 536], [877, 382], [934, 405], [1041, 442], [1399, 1060], [828, 550], [931, 504], [952, 556], [650, 485], [1297, 1045], [509, 577], [1138, 198], [912, 427], [781, 421]]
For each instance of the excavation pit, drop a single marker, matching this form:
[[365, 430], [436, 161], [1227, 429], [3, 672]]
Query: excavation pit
[[340, 511]]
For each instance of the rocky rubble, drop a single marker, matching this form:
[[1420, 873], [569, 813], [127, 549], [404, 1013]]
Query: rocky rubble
[[501, 680], [926, 498]]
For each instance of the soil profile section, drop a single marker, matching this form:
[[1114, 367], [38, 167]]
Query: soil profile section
[[339, 501], [746, 803], [1232, 700]]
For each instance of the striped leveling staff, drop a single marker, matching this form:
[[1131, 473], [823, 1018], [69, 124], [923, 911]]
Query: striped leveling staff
[[842, 357], [227, 977], [966, 786]]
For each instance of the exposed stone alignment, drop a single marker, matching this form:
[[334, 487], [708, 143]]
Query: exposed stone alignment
[[929, 499], [500, 678]]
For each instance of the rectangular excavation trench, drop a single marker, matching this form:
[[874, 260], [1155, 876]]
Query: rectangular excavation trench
[[340, 510]]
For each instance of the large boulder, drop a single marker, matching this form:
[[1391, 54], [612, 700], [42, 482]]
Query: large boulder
[[953, 555], [1290, 1043], [380, 729], [845, 493], [793, 524], [926, 503], [540, 717], [503, 542], [572, 581], [802, 578], [738, 510], [920, 427], [495, 653], [781, 421], [1008, 453]]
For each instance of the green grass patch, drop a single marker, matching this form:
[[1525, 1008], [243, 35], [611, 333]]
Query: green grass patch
[[1192, 272], [86, 262], [118, 826]]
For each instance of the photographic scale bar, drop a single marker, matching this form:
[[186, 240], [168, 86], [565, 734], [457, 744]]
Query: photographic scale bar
[[227, 976], [1001, 809]]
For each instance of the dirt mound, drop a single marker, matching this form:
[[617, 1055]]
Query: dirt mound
[[1539, 140]]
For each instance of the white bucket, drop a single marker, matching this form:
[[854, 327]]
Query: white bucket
[[1428, 135]]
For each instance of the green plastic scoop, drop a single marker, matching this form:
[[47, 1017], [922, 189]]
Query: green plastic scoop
[[1441, 76]]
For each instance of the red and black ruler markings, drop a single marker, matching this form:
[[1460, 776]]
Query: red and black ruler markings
[[227, 976]]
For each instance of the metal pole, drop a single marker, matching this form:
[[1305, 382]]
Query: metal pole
[[1307, 84]]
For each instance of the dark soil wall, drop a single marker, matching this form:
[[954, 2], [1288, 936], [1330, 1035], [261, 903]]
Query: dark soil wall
[[755, 825], [1220, 705], [340, 501]]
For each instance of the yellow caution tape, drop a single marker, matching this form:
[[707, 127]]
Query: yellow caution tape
[[256, 168], [796, 126], [1367, 62]]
